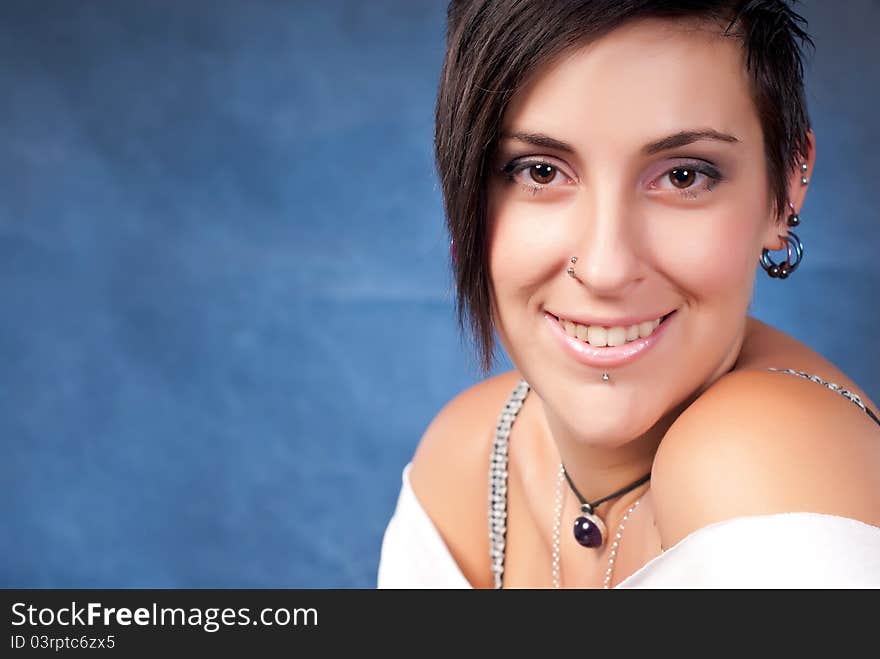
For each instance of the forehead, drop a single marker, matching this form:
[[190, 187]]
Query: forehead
[[646, 78]]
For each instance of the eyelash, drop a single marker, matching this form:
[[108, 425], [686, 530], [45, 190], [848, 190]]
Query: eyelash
[[511, 169]]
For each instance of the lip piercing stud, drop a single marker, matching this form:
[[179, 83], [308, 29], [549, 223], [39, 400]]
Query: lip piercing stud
[[605, 377]]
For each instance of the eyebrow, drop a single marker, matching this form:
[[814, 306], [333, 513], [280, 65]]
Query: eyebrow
[[539, 139], [682, 138], [686, 137]]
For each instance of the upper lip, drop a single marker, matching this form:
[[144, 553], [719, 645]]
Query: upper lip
[[626, 321]]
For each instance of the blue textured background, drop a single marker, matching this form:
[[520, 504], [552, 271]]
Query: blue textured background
[[228, 313]]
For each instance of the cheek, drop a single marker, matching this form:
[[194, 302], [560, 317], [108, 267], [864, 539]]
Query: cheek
[[508, 269], [525, 250], [714, 250], [519, 258], [527, 239]]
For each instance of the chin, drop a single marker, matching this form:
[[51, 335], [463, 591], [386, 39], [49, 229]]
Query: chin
[[595, 413]]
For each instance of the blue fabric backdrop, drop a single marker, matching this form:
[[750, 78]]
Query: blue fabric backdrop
[[228, 313]]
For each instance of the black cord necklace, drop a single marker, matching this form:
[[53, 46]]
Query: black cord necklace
[[589, 529]]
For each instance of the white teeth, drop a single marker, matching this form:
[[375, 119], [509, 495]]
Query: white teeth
[[597, 336], [612, 336], [616, 336]]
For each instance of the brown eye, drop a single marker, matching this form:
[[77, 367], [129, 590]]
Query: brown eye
[[542, 173], [682, 178]]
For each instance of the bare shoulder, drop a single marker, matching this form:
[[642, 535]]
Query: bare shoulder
[[450, 467], [762, 442]]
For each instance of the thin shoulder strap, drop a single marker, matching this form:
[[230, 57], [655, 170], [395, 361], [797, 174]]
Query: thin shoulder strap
[[498, 479], [834, 387]]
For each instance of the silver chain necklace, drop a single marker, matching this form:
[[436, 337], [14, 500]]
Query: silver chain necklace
[[609, 573]]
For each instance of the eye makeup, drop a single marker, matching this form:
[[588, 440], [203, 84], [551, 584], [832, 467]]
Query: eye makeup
[[512, 169], [711, 175]]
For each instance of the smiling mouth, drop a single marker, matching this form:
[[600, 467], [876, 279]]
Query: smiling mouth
[[600, 337]]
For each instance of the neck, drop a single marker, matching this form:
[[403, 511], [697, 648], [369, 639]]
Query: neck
[[610, 464]]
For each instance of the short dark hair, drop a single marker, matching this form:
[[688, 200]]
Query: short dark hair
[[493, 45]]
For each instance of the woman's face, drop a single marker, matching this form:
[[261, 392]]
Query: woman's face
[[656, 227]]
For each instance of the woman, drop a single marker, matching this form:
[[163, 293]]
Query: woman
[[613, 173]]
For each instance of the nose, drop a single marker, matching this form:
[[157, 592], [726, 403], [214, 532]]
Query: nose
[[606, 246]]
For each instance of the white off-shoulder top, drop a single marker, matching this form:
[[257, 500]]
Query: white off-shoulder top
[[783, 550]]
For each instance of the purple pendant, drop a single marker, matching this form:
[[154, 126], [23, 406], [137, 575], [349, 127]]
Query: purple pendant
[[589, 531]]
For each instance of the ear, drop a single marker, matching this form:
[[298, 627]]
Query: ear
[[774, 238]]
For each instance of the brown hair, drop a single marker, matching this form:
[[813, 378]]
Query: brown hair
[[493, 45]]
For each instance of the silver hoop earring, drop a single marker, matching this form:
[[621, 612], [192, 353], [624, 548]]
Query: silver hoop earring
[[795, 252]]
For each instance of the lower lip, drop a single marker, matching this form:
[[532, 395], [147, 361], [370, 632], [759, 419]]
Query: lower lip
[[608, 356]]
